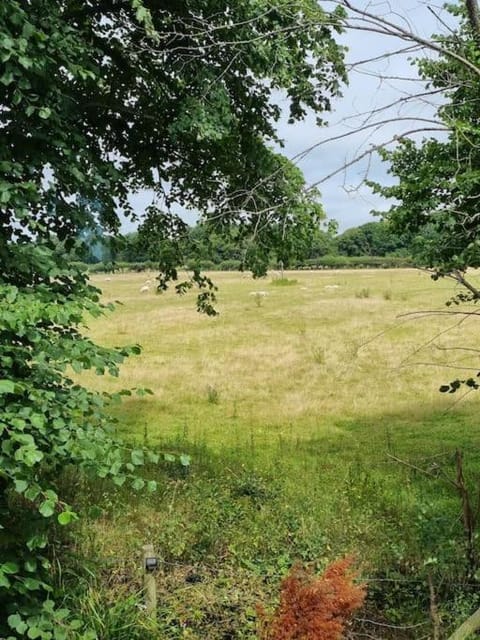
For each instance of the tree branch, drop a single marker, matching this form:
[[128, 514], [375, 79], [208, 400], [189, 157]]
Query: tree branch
[[473, 16]]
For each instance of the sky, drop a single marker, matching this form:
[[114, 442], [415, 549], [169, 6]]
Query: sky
[[372, 85]]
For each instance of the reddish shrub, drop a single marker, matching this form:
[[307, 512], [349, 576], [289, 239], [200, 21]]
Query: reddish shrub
[[314, 607]]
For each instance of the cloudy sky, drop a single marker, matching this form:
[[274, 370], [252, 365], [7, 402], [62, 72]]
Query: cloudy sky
[[372, 85]]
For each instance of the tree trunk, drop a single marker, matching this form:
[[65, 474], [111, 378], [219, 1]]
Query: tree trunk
[[473, 16]]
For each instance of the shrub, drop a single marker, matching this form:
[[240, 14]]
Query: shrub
[[230, 265], [357, 262], [202, 265], [213, 396], [362, 293], [314, 608]]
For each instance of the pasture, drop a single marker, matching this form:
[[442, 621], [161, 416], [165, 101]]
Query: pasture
[[293, 404], [294, 364]]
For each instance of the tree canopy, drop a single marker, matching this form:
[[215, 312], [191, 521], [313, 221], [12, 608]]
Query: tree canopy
[[437, 187]]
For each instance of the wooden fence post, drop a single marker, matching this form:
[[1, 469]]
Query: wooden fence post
[[149, 565]]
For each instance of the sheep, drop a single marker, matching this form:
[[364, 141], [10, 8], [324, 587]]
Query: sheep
[[145, 288]]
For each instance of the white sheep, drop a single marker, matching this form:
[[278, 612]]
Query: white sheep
[[145, 288]]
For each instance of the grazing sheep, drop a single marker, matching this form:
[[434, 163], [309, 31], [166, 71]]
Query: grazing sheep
[[107, 279], [145, 288], [149, 282]]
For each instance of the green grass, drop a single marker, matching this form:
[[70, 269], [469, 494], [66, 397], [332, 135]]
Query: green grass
[[292, 411]]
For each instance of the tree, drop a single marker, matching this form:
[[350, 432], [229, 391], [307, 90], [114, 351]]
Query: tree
[[370, 239], [438, 185], [275, 219], [99, 99]]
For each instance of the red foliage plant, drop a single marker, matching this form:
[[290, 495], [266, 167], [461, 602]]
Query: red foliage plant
[[314, 607]]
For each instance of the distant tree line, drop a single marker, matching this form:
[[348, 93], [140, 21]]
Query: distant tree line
[[204, 248]]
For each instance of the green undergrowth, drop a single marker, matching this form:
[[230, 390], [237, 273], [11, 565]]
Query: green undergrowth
[[230, 526]]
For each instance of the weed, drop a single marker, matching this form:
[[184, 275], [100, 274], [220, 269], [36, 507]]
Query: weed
[[283, 282], [318, 354], [387, 294], [259, 297], [213, 395], [251, 485], [114, 616], [364, 292]]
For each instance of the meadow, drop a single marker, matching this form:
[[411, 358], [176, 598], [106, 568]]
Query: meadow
[[311, 410]]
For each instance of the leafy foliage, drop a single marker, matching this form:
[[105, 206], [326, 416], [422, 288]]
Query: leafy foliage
[[438, 180], [371, 239]]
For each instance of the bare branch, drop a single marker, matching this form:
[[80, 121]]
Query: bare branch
[[373, 149]]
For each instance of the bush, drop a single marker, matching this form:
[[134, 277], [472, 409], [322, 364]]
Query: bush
[[314, 608], [230, 265], [357, 262], [283, 282], [203, 265]]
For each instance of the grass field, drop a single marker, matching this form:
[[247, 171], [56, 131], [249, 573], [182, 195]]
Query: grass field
[[292, 402], [304, 362]]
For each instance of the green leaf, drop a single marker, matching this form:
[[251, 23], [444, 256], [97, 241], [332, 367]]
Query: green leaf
[[37, 420], [34, 632], [31, 456], [44, 112], [76, 366], [47, 508], [32, 493], [32, 585], [7, 78], [66, 517], [7, 386], [38, 541], [21, 486], [26, 63], [137, 456], [4, 581], [119, 480], [185, 460], [30, 565], [138, 484], [15, 622], [9, 567]]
